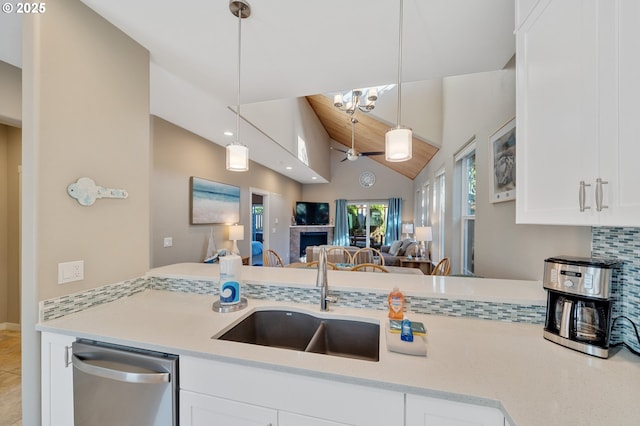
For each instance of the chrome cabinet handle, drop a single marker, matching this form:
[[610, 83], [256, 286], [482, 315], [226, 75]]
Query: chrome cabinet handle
[[582, 196], [67, 356], [599, 194], [120, 375]]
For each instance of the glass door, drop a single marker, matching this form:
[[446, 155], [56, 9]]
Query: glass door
[[367, 223]]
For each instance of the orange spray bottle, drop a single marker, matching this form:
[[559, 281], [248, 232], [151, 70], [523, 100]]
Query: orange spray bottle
[[396, 304]]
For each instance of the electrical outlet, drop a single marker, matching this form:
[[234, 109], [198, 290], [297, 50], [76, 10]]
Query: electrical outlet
[[70, 271], [168, 242]]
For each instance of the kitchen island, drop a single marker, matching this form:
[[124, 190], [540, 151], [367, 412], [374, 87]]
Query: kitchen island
[[507, 366]]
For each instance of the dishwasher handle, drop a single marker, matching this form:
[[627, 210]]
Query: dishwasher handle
[[120, 375]]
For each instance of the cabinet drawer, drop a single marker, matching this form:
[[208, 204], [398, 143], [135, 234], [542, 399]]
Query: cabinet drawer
[[309, 396]]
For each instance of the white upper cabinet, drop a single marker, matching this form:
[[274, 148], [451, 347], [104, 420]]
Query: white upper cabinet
[[620, 149], [575, 109]]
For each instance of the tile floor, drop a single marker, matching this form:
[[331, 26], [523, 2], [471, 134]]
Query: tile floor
[[10, 386]]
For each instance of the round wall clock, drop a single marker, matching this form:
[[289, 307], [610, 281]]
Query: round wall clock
[[367, 179]]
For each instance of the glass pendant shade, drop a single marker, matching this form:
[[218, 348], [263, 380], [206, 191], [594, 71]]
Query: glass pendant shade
[[237, 158], [398, 144]]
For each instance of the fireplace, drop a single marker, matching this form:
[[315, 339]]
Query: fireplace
[[297, 248], [312, 239]]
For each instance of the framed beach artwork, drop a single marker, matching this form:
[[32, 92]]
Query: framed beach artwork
[[502, 163], [213, 202]]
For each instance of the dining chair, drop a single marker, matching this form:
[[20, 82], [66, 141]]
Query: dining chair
[[271, 258], [443, 267], [314, 264], [339, 255], [368, 255], [369, 267]]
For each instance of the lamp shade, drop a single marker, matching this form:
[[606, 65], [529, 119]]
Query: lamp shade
[[407, 228], [236, 232], [424, 233], [398, 144], [237, 158]]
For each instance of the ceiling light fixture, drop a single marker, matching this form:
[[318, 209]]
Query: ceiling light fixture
[[238, 154], [398, 141], [357, 99]]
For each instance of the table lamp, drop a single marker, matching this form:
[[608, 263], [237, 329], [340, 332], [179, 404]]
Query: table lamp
[[407, 228], [423, 235], [236, 233]]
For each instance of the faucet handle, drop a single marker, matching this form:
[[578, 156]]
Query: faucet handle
[[332, 299]]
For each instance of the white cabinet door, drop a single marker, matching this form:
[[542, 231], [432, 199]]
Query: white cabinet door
[[620, 161], [557, 112], [203, 410], [57, 379], [425, 411], [577, 113], [291, 419]]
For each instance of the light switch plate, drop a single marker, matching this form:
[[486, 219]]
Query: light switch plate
[[167, 242], [70, 271]]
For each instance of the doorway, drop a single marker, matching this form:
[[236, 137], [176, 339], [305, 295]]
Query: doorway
[[259, 230], [10, 234], [367, 223]]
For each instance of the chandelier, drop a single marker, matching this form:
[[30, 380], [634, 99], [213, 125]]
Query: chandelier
[[357, 99]]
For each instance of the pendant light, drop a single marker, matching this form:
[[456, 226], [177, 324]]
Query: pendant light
[[238, 154], [398, 141]]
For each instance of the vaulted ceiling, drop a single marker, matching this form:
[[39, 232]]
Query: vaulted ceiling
[[369, 136], [293, 50]]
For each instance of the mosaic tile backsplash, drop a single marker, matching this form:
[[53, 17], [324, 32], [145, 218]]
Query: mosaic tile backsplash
[[56, 308], [622, 244]]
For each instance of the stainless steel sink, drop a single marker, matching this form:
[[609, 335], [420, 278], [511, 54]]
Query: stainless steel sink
[[304, 332]]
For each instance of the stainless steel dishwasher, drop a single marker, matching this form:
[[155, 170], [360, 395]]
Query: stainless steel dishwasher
[[118, 385]]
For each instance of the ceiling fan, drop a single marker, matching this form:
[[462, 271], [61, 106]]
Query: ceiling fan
[[352, 154]]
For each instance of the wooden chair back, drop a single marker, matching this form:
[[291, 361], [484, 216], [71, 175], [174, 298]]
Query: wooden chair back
[[369, 267], [443, 267], [314, 264], [368, 255], [271, 258]]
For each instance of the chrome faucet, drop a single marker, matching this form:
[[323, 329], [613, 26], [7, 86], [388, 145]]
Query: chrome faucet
[[322, 282]]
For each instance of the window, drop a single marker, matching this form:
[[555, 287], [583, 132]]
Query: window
[[438, 216], [367, 223], [466, 173], [425, 217]]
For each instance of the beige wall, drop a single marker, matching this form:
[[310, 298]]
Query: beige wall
[[10, 94], [479, 104], [85, 113], [92, 119], [4, 237], [10, 153], [179, 154], [345, 184]]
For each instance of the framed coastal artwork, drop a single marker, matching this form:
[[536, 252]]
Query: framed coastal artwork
[[213, 202], [502, 163]]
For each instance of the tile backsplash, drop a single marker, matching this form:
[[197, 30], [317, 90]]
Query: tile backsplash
[[622, 244]]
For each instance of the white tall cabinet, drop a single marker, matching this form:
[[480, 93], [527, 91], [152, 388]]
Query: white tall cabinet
[[577, 127]]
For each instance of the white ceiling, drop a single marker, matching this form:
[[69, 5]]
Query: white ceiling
[[299, 48]]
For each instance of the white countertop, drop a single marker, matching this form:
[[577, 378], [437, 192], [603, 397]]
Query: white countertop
[[505, 365], [476, 289]]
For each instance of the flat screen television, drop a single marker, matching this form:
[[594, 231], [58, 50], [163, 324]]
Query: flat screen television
[[309, 213]]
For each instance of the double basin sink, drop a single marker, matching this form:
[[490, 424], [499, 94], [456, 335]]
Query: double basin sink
[[299, 331]]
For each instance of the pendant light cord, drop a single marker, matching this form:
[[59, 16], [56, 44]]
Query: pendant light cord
[[239, 63], [400, 63]]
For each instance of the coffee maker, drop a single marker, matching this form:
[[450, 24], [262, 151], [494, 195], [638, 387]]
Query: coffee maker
[[579, 302]]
